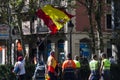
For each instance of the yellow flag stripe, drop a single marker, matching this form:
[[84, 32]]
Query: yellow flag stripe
[[58, 17]]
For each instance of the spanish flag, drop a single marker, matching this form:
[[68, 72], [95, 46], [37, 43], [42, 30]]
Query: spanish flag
[[54, 18]]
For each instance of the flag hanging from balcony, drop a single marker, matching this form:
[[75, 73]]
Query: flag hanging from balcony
[[54, 18]]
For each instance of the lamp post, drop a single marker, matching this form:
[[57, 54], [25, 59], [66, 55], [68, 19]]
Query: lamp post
[[70, 28]]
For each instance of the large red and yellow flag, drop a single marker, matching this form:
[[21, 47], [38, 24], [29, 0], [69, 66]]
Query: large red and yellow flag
[[54, 18]]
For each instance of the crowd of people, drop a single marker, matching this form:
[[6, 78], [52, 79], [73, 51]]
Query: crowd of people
[[78, 68]]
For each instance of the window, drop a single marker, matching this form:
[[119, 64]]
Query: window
[[108, 21], [108, 1]]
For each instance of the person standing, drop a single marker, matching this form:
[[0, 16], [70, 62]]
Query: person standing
[[59, 71], [20, 65], [105, 68], [94, 67], [51, 65], [112, 60], [112, 68], [68, 68], [41, 48], [77, 63], [84, 69]]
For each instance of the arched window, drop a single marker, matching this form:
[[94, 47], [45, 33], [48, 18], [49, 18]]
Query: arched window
[[85, 47]]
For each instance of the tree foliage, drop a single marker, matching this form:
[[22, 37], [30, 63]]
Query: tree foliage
[[4, 11]]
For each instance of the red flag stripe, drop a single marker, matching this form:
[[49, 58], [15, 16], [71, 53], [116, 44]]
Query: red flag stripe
[[48, 21]]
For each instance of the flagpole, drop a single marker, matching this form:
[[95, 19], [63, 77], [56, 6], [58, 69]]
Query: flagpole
[[37, 66], [38, 48], [44, 39]]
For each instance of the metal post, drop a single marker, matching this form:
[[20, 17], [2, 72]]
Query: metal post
[[70, 25], [71, 41]]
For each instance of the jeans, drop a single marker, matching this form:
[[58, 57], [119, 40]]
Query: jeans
[[21, 77], [51, 75], [106, 75], [69, 76]]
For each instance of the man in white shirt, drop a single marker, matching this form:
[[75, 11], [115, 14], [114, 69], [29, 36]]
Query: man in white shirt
[[21, 65]]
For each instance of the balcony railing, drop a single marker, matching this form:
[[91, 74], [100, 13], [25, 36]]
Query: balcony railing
[[42, 30], [46, 30]]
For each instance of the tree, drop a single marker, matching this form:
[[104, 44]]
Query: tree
[[95, 12], [17, 7], [5, 18], [116, 28]]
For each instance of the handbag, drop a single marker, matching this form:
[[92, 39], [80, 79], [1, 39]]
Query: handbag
[[16, 70]]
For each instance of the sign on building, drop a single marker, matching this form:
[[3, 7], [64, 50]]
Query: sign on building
[[4, 31], [26, 27]]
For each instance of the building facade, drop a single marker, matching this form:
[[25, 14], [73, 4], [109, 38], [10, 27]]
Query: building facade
[[78, 41], [81, 40]]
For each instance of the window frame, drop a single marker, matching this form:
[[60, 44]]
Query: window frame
[[107, 26]]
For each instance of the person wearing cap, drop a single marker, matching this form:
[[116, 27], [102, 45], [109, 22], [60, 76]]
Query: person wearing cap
[[68, 68], [20, 64], [51, 65], [77, 63], [105, 67], [94, 67]]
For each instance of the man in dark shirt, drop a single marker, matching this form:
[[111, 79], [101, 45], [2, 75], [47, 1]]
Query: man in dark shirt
[[41, 48], [85, 70]]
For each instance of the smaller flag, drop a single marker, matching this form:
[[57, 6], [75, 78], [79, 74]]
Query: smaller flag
[[54, 18], [19, 46], [0, 48]]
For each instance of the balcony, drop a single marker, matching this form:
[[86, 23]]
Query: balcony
[[45, 29], [41, 30]]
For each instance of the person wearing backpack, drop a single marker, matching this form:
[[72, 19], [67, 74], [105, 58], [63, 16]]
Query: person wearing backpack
[[68, 68]]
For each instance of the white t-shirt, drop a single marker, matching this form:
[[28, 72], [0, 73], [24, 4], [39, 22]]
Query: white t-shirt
[[21, 65]]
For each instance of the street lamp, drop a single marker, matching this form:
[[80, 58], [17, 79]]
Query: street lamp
[[70, 28]]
